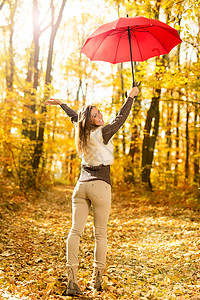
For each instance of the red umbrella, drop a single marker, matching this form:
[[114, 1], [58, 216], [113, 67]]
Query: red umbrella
[[130, 39]]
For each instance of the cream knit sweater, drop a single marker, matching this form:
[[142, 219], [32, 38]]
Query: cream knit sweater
[[97, 152]]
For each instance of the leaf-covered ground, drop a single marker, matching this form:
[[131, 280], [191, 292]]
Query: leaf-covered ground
[[153, 248]]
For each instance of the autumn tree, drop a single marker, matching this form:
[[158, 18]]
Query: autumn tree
[[35, 131], [152, 120], [194, 40], [9, 78]]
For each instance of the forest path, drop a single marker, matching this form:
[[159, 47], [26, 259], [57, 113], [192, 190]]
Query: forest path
[[153, 246]]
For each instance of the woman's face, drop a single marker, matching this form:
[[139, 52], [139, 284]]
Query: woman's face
[[96, 117]]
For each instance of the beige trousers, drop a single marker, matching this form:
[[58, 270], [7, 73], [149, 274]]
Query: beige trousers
[[98, 194]]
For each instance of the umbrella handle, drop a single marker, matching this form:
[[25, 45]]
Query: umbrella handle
[[129, 38]]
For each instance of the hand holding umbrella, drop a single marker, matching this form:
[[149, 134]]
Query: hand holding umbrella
[[134, 92]]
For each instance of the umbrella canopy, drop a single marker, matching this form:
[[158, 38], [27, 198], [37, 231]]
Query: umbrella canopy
[[149, 38], [130, 39]]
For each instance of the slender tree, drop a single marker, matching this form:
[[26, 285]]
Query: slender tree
[[170, 111], [9, 76], [179, 17], [197, 114], [48, 78], [152, 121]]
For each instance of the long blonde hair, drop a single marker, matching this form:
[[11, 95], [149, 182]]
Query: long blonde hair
[[83, 129]]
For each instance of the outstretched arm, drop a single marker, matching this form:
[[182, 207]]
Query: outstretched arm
[[109, 130], [69, 111]]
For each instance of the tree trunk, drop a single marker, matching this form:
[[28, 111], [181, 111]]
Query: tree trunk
[[130, 173], [151, 125], [29, 121], [40, 139], [25, 119], [7, 169], [187, 143], [196, 128], [150, 135], [170, 111], [196, 152], [130, 168], [177, 145], [32, 79], [120, 68], [178, 114], [36, 36]]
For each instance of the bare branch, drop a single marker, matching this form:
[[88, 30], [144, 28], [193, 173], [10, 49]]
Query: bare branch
[[52, 17], [45, 28], [2, 4], [42, 30], [60, 15]]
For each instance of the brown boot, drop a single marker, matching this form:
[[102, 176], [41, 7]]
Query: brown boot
[[97, 278], [72, 287]]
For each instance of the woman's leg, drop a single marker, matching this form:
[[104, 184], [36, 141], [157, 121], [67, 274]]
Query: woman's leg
[[80, 211], [99, 192]]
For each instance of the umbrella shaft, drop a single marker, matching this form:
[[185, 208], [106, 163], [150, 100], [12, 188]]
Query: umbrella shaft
[[129, 38]]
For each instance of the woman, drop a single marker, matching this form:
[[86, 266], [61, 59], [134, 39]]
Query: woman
[[94, 144]]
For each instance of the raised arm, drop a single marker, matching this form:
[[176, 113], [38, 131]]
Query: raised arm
[[109, 130], [69, 111]]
